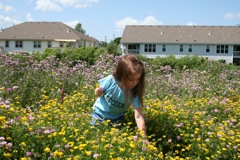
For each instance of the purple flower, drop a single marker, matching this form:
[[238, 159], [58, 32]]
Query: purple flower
[[18, 118], [178, 137], [9, 89], [39, 130], [6, 102], [99, 76], [2, 143], [233, 121]]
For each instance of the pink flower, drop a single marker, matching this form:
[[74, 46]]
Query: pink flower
[[31, 118], [9, 145], [2, 138], [135, 138], [67, 146], [28, 154], [96, 156], [15, 87], [179, 125]]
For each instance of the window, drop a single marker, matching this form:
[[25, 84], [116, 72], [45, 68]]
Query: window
[[222, 48], [150, 48], [49, 44], [36, 44], [7, 44], [133, 46], [61, 44], [189, 48], [226, 48], [207, 48], [181, 48], [18, 44], [163, 47]]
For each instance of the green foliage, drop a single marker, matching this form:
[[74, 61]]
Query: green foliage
[[103, 44], [112, 48], [79, 28], [117, 40]]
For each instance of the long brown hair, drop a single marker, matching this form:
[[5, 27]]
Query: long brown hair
[[127, 65]]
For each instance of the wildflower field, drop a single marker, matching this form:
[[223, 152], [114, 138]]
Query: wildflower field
[[192, 110]]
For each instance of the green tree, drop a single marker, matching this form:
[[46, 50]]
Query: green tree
[[103, 44], [79, 28], [117, 40]]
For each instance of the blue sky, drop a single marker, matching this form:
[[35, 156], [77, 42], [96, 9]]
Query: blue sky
[[106, 19]]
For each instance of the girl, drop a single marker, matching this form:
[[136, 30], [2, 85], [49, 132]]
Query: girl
[[120, 90]]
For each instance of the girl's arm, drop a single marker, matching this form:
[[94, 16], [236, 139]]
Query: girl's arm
[[140, 120], [98, 91]]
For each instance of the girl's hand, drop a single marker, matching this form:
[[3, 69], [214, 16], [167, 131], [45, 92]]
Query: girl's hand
[[98, 91]]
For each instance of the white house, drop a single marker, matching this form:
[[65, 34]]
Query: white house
[[214, 42], [37, 36]]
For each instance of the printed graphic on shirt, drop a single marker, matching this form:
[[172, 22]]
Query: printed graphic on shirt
[[114, 103]]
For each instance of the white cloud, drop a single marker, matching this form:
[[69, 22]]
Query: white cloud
[[191, 24], [57, 5], [47, 5], [76, 3], [6, 8], [150, 20], [231, 15], [29, 17], [7, 21], [72, 23]]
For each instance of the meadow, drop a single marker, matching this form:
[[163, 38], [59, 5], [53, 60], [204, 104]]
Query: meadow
[[191, 107]]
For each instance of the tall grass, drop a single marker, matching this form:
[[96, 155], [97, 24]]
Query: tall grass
[[191, 108]]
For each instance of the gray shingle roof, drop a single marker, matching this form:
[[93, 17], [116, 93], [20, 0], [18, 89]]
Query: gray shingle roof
[[43, 31], [181, 34]]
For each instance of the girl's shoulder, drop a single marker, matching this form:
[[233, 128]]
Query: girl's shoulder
[[107, 81], [107, 78]]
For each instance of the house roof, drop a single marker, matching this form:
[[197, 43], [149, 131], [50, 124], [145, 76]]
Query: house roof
[[43, 31], [181, 34]]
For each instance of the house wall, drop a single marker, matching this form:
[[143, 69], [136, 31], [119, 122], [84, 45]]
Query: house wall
[[27, 46], [197, 49]]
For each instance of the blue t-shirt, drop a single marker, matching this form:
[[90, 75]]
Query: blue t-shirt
[[112, 103]]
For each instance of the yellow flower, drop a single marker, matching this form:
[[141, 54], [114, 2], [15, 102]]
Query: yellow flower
[[122, 149], [7, 154], [224, 149], [132, 145], [23, 144], [89, 153], [2, 118], [47, 149]]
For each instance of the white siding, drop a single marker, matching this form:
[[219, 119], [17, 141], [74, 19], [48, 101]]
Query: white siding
[[197, 49]]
